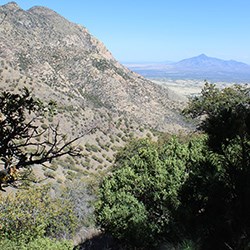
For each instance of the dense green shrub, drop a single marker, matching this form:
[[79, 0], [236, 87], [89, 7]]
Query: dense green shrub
[[195, 192], [37, 244], [32, 213], [92, 148], [137, 202], [216, 196], [225, 112]]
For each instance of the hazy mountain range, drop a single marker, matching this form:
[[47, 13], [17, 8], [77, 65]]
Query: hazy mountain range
[[199, 67]]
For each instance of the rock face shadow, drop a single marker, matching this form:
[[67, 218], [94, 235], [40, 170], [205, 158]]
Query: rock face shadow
[[100, 242]]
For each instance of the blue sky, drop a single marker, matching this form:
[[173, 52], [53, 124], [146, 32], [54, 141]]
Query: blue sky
[[161, 30]]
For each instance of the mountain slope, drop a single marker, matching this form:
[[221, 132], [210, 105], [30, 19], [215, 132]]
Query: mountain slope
[[62, 61], [63, 57]]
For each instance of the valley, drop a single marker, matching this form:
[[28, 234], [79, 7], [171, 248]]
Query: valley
[[200, 68], [185, 88]]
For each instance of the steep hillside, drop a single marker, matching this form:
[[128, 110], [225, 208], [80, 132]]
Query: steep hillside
[[62, 61]]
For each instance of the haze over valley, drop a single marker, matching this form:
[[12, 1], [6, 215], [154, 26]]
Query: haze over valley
[[198, 68], [188, 75]]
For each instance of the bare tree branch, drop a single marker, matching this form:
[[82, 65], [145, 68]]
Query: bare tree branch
[[19, 133]]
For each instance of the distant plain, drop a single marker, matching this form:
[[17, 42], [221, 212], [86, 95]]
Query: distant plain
[[184, 87]]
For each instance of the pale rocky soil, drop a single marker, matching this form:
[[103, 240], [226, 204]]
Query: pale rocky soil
[[186, 88]]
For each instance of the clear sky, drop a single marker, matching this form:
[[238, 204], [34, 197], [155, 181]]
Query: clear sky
[[161, 30]]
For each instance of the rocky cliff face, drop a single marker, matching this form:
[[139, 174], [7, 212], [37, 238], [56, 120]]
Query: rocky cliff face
[[61, 60]]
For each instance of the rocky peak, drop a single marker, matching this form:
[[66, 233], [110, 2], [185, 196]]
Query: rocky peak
[[11, 6], [46, 13]]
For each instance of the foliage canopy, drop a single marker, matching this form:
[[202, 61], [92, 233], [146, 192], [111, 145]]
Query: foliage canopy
[[137, 201], [197, 190], [33, 214], [225, 113], [216, 196]]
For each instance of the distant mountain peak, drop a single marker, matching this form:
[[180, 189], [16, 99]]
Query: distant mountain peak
[[206, 63], [198, 67], [202, 56]]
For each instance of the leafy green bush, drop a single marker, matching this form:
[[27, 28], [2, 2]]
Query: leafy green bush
[[194, 194], [32, 214], [37, 244], [91, 148], [216, 196], [137, 202], [226, 112]]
